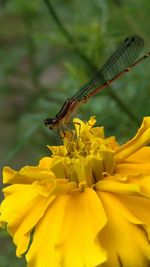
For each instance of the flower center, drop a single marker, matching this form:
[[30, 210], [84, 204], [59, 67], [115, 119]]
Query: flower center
[[86, 156]]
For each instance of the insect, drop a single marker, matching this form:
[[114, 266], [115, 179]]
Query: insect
[[120, 62]]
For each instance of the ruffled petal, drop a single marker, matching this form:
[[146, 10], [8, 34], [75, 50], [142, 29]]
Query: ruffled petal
[[21, 209], [84, 218], [141, 156], [136, 143], [135, 165], [138, 206], [68, 233], [45, 163], [126, 244], [43, 250], [26, 175], [117, 187]]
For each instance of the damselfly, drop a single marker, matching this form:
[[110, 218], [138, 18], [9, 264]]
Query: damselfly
[[121, 61]]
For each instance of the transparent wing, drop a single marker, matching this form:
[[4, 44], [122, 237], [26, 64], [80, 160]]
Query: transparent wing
[[124, 56]]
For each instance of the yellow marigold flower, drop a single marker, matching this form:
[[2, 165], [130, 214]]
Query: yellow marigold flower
[[87, 205]]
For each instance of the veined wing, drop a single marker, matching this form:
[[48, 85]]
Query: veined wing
[[124, 56]]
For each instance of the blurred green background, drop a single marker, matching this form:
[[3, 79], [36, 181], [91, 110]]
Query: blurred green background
[[47, 50]]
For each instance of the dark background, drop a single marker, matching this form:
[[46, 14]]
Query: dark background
[[46, 53]]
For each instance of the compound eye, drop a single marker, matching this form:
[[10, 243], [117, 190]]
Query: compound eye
[[48, 122]]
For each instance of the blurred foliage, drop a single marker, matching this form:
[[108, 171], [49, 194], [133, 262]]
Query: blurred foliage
[[47, 50]]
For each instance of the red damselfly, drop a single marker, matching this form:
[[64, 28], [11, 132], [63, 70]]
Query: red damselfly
[[121, 61]]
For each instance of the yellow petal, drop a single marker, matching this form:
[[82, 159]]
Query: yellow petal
[[45, 187], [13, 193], [98, 132], [26, 175], [138, 206], [60, 167], [141, 156], [133, 169], [58, 150], [43, 250], [143, 181], [8, 175], [21, 216], [136, 165], [84, 218], [45, 163], [68, 233], [136, 143], [118, 187], [83, 128], [126, 244]]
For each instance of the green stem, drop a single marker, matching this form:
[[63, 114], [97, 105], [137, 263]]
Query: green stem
[[31, 50], [123, 106]]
